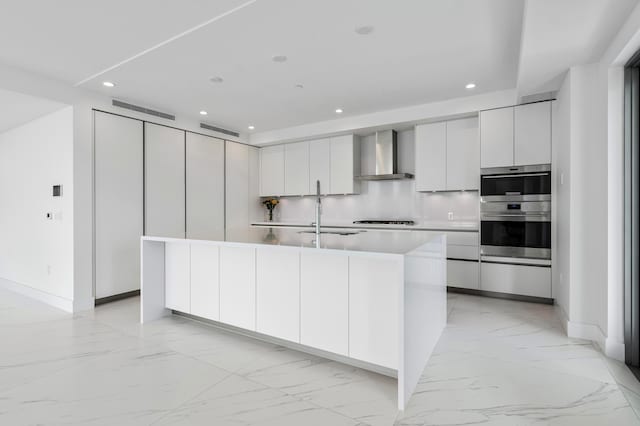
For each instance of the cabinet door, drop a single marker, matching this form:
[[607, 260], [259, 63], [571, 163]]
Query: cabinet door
[[176, 277], [533, 134], [237, 190], [205, 187], [463, 274], [164, 184], [496, 137], [118, 203], [278, 293], [205, 281], [320, 165], [296, 168], [431, 157], [324, 301], [516, 279], [374, 298], [238, 287], [463, 154], [272, 170], [344, 155]]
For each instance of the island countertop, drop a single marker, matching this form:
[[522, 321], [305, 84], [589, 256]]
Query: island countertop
[[370, 241]]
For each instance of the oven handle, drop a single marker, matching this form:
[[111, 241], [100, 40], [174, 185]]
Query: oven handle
[[515, 175]]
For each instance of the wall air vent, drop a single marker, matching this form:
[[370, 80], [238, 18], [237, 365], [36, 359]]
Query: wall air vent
[[538, 97], [219, 130], [143, 110]]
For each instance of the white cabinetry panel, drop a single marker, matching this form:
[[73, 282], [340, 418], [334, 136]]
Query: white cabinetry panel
[[324, 292], [320, 165], [533, 134], [516, 279], [463, 154], [118, 203], [496, 137], [272, 170], [345, 160], [238, 287], [296, 168], [374, 298], [164, 181], [205, 281], [463, 274], [204, 187], [431, 157], [278, 293], [237, 189], [177, 280]]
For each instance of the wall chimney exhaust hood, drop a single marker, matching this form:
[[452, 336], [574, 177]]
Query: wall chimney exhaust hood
[[386, 158]]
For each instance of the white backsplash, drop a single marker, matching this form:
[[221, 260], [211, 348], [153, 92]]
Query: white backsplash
[[384, 200]]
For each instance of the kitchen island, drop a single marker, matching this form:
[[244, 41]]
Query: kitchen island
[[373, 299]]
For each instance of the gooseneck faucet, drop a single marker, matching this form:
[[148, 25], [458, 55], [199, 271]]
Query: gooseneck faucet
[[318, 208]]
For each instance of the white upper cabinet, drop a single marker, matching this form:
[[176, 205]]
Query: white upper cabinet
[[463, 154], [272, 170], [533, 134], [496, 137], [345, 162], [164, 183], [320, 165], [296, 168], [205, 187], [431, 157]]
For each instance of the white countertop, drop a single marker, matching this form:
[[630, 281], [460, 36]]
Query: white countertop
[[370, 241], [468, 226]]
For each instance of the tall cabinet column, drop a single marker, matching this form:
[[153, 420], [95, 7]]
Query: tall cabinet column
[[164, 181]]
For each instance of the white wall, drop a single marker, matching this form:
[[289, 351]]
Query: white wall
[[384, 199], [36, 252]]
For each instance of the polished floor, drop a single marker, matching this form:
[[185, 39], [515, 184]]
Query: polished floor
[[497, 363]]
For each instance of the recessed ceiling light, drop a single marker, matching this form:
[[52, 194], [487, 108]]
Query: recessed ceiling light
[[470, 86], [339, 111], [216, 79], [279, 58], [250, 127], [108, 84], [364, 30], [203, 112]]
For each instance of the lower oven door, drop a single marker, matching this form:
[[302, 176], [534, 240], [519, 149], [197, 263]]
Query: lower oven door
[[516, 237]]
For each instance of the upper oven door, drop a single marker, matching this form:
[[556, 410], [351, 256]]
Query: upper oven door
[[531, 183]]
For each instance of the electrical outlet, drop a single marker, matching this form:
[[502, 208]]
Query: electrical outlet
[[450, 215]]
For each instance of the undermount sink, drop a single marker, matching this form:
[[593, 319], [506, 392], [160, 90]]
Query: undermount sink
[[331, 232]]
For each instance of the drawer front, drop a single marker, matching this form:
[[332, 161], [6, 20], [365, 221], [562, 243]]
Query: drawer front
[[462, 238], [463, 274], [516, 279], [462, 252]]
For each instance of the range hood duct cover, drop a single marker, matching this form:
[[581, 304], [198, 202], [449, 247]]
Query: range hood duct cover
[[386, 158]]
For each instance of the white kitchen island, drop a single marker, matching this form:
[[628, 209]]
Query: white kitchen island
[[373, 299]]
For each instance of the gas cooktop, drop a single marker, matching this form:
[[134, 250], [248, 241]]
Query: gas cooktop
[[383, 222]]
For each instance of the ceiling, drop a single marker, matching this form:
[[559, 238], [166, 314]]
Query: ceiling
[[17, 109], [162, 53]]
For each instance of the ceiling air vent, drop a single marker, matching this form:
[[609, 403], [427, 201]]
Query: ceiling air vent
[[143, 110], [538, 97], [219, 130]]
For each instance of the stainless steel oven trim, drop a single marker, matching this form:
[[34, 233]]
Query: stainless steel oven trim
[[525, 217], [544, 263], [516, 175], [515, 252], [515, 198], [515, 169]]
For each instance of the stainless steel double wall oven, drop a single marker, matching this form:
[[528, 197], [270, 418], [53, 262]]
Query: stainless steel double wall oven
[[515, 215]]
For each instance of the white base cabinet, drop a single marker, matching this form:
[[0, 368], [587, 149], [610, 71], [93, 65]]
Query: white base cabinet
[[462, 260], [463, 274], [278, 293], [177, 277], [516, 279], [324, 302], [374, 298], [205, 281], [238, 286]]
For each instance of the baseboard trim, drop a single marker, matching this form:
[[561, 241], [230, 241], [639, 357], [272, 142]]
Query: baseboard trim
[[614, 349], [587, 332], [116, 297], [39, 295], [496, 295]]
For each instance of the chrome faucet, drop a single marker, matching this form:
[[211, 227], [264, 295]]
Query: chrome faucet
[[318, 208]]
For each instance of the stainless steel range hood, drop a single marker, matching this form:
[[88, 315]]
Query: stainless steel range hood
[[386, 158]]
